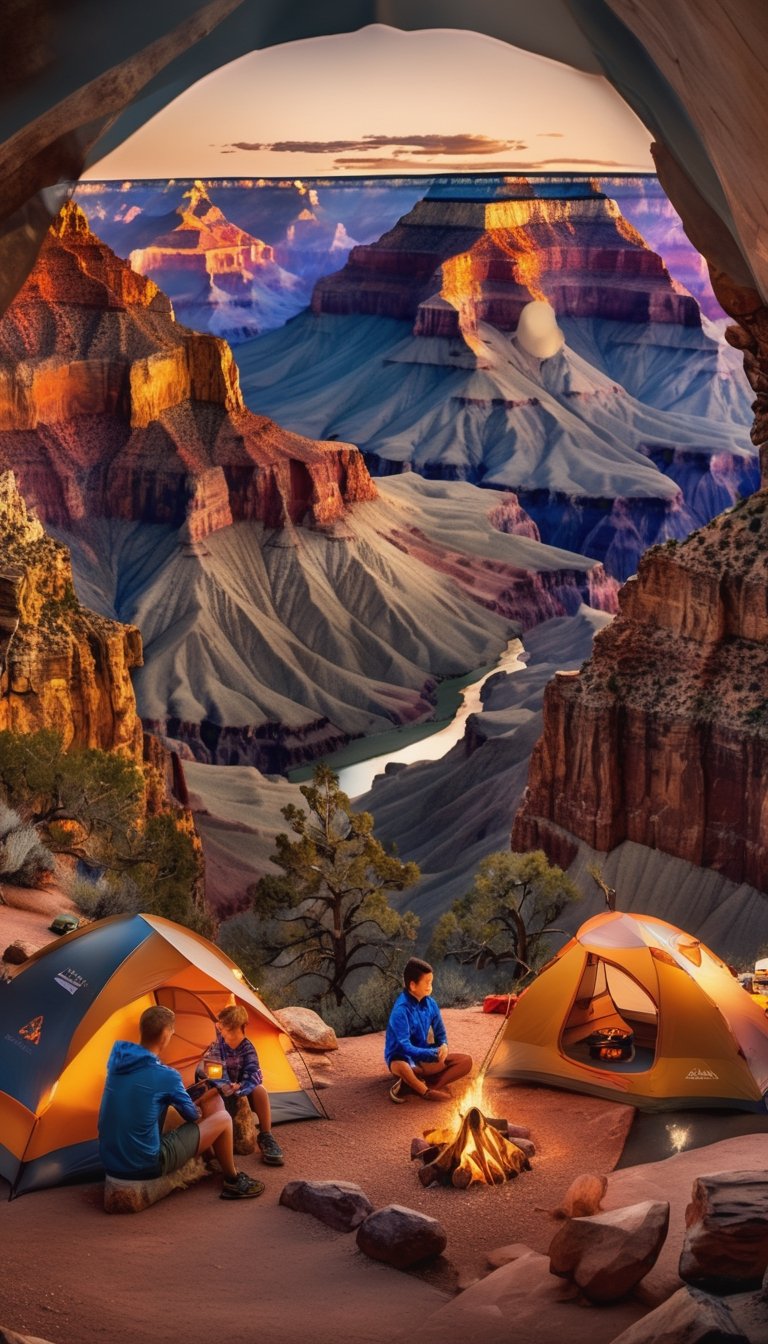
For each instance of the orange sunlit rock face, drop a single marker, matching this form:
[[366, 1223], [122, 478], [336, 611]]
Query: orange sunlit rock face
[[109, 408], [61, 666], [450, 264]]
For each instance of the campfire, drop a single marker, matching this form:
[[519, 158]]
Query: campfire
[[474, 1149]]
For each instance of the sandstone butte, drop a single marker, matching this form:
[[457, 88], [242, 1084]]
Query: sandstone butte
[[205, 246], [61, 666], [662, 736], [450, 264], [109, 408]]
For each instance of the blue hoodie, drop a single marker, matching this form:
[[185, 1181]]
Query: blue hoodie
[[138, 1091], [407, 1029]]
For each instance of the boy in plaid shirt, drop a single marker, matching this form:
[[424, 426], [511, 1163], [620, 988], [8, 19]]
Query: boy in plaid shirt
[[243, 1077]]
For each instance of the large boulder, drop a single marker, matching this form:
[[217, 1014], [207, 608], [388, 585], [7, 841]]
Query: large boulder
[[521, 1303], [688, 1317], [401, 1237], [307, 1029], [339, 1204], [726, 1239], [606, 1255]]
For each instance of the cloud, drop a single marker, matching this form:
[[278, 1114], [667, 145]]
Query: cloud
[[399, 165], [549, 135], [403, 145]]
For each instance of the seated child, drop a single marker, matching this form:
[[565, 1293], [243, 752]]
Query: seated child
[[242, 1077], [425, 1069]]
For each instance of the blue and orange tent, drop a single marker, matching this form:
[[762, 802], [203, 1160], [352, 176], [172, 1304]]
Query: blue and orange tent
[[62, 1011]]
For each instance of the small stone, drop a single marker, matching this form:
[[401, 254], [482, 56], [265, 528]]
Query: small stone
[[339, 1204], [583, 1197], [688, 1317], [504, 1255], [608, 1254], [17, 952], [307, 1029], [726, 1240], [467, 1280], [401, 1237]]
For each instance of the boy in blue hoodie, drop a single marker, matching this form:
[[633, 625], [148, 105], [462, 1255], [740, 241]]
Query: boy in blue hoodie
[[426, 1068], [139, 1089]]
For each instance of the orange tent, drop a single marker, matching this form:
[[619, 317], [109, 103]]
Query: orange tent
[[697, 1039], [62, 1012]]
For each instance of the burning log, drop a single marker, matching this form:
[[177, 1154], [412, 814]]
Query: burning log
[[478, 1152]]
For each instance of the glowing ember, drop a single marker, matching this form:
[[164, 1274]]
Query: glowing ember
[[679, 1137]]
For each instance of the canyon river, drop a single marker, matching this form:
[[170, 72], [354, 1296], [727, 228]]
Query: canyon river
[[358, 763]]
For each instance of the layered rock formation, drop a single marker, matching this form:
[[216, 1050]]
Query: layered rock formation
[[108, 408], [219, 277], [661, 737], [61, 666], [452, 263]]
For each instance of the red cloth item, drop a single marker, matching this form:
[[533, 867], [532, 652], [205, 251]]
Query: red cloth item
[[499, 1003]]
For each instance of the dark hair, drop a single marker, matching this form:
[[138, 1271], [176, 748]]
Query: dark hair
[[153, 1022], [415, 969]]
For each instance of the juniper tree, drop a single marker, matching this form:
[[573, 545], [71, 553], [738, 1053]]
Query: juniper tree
[[505, 917], [327, 914]]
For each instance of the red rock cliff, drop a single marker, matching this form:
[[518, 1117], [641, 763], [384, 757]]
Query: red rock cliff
[[109, 408], [662, 737]]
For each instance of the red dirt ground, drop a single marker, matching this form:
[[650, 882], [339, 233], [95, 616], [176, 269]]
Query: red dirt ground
[[194, 1268]]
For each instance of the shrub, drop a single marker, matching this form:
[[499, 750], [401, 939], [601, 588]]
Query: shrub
[[24, 860]]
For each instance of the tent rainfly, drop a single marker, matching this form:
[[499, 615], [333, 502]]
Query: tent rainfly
[[697, 1039], [62, 1011]]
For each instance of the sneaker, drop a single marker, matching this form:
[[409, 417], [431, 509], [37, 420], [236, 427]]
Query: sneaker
[[437, 1094], [271, 1152], [241, 1187], [396, 1092]]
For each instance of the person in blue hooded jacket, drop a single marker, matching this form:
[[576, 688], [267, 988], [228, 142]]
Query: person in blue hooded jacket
[[426, 1067], [139, 1091]]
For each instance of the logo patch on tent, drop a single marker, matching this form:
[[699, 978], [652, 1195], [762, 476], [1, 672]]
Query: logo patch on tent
[[31, 1032], [701, 1075], [70, 980]]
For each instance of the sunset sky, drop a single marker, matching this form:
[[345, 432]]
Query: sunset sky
[[381, 100]]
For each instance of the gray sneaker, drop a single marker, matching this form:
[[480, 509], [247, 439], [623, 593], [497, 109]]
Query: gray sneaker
[[271, 1152], [241, 1187]]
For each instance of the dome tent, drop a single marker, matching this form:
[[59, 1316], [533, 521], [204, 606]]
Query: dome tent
[[61, 1013], [698, 1039]]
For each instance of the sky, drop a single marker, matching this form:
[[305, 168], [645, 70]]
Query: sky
[[381, 100]]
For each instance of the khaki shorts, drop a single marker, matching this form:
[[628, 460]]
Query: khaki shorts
[[178, 1146]]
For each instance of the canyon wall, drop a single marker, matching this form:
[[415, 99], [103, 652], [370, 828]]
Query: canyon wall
[[662, 737], [61, 666], [109, 408]]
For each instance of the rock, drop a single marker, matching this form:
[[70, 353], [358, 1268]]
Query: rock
[[678, 677], [10, 1337], [17, 952], [726, 1240], [135, 1196], [688, 1317], [521, 1303], [339, 1204], [504, 1255], [307, 1029], [607, 1254], [750, 1314], [467, 1280], [401, 1237], [583, 1197], [243, 1128]]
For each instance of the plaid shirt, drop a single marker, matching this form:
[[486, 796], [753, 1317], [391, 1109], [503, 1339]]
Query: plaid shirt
[[241, 1065]]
